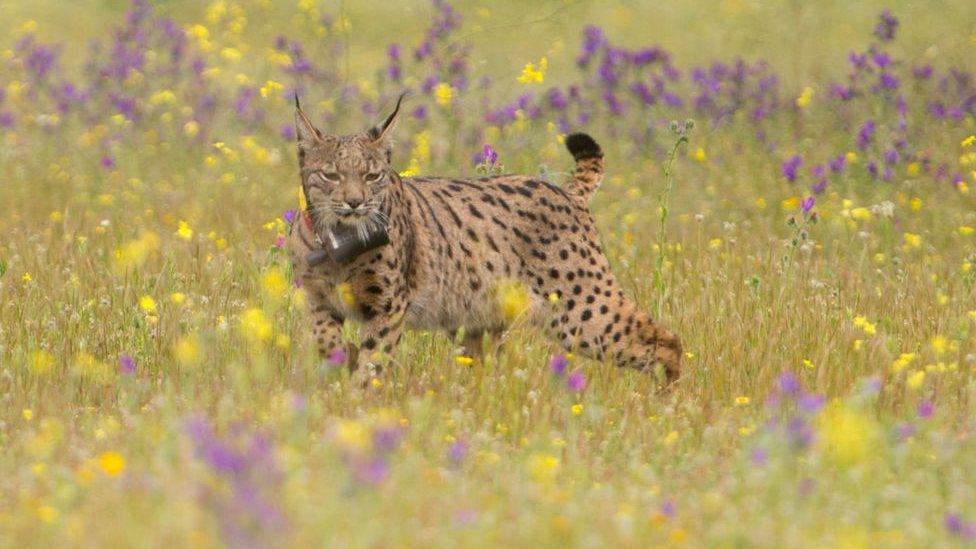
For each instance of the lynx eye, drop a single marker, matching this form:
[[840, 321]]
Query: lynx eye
[[331, 177], [372, 177]]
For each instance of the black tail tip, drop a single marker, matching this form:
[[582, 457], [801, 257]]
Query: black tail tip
[[582, 146]]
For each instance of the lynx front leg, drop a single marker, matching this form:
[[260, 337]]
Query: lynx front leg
[[327, 331], [379, 335]]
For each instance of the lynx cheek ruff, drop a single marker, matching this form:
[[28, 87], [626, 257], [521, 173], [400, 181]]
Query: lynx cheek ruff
[[344, 242]]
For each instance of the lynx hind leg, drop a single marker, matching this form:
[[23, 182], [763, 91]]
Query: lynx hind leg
[[622, 334]]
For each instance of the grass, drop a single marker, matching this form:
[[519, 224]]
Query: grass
[[230, 431]]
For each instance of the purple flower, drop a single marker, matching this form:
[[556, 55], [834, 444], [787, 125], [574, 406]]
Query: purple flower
[[838, 163], [558, 364], [576, 382], [337, 356], [6, 119], [905, 431], [668, 508], [457, 451], [812, 404], [127, 364], [373, 471], [759, 456], [956, 526], [925, 409], [865, 134], [489, 155], [790, 167], [787, 384], [107, 162], [808, 203], [289, 215], [885, 29], [888, 81], [287, 132]]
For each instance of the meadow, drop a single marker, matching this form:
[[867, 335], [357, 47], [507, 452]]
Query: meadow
[[813, 242]]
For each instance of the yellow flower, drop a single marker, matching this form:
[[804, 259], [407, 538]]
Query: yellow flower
[[939, 344], [163, 97], [761, 203], [147, 304], [26, 277], [184, 231], [577, 409], [699, 155], [715, 243], [177, 298], [47, 514], [848, 436], [345, 294], [805, 97], [186, 350], [27, 414], [915, 380], [553, 298], [191, 128], [255, 325], [274, 284], [916, 203], [513, 299], [270, 87], [903, 361], [111, 463], [41, 362], [741, 400], [531, 74], [912, 240], [462, 360], [966, 230], [790, 203], [861, 214], [443, 94], [543, 467], [968, 141], [912, 169], [862, 323], [671, 438], [808, 363]]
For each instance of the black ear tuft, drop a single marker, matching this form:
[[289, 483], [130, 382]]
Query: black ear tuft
[[582, 146], [382, 131], [297, 104]]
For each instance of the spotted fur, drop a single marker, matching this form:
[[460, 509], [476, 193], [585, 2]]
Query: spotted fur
[[453, 241]]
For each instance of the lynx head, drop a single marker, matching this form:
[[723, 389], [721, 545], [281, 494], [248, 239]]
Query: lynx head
[[345, 177]]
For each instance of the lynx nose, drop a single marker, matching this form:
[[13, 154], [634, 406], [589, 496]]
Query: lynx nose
[[353, 203]]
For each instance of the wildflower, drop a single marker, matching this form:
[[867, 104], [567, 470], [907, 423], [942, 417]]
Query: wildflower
[[741, 400], [177, 298], [862, 323], [968, 141], [41, 362], [47, 514], [925, 409], [805, 97], [489, 155], [513, 299], [186, 350], [915, 380], [443, 94], [457, 451], [558, 364], [274, 285], [576, 382], [269, 88], [532, 74], [903, 361], [255, 326], [184, 231], [848, 436], [543, 467], [337, 356], [127, 365], [912, 240], [111, 463], [147, 304], [885, 29], [26, 277], [463, 360], [27, 414], [790, 167], [699, 155], [808, 203]]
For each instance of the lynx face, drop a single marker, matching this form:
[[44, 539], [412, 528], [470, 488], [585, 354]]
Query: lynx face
[[345, 178]]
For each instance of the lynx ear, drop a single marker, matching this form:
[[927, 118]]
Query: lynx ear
[[381, 133], [305, 132]]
